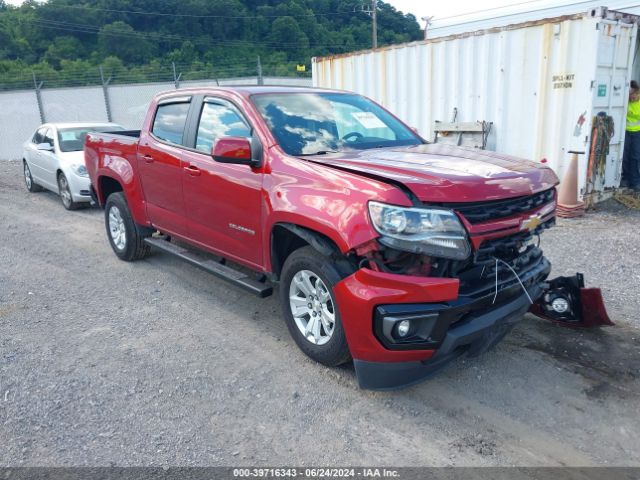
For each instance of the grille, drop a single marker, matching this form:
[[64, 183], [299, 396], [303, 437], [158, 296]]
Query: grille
[[516, 250], [481, 212]]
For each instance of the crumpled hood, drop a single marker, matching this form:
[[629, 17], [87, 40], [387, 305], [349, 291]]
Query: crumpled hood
[[444, 173]]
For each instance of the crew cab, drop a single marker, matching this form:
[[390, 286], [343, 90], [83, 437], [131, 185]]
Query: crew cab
[[386, 249]]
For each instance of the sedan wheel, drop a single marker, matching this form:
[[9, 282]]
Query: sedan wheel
[[28, 179], [65, 193], [27, 176]]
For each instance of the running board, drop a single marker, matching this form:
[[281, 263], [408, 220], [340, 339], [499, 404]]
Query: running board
[[236, 277]]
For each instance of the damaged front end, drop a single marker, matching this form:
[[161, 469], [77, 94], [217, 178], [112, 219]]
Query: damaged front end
[[435, 301]]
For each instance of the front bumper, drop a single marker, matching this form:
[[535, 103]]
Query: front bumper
[[465, 324], [80, 186]]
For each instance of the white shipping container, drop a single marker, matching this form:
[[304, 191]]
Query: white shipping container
[[539, 82]]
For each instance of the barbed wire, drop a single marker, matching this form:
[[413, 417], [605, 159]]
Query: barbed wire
[[163, 73]]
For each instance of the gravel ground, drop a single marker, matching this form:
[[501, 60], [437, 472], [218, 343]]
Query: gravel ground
[[157, 363]]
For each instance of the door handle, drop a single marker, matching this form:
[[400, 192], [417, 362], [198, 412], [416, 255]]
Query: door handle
[[192, 170], [148, 158]]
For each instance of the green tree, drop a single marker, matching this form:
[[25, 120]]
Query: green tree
[[287, 36], [63, 48], [121, 40], [207, 38], [112, 67]]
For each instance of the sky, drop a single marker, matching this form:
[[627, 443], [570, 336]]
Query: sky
[[441, 9]]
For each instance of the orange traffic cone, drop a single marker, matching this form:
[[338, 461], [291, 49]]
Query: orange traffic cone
[[568, 204]]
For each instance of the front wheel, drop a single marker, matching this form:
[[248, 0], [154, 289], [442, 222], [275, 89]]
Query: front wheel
[[65, 193], [126, 238], [310, 309]]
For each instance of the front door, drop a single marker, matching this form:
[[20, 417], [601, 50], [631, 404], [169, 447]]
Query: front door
[[223, 201], [160, 163], [35, 159], [48, 162]]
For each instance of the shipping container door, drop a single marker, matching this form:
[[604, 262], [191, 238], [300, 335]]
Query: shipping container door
[[610, 95]]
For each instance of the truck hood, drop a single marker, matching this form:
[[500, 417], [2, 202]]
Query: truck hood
[[443, 173]]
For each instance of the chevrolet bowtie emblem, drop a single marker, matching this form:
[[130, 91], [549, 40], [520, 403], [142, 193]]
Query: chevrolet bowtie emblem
[[531, 223]]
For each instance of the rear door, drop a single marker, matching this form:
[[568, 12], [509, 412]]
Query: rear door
[[222, 201], [160, 165]]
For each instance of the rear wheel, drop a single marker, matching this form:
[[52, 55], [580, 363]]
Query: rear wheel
[[310, 309], [28, 179], [126, 238], [65, 193]]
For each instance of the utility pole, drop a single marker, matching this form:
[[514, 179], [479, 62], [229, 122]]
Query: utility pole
[[260, 77], [105, 93], [374, 16], [427, 23], [38, 87]]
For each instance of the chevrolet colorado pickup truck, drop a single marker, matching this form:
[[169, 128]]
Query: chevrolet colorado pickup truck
[[389, 250]]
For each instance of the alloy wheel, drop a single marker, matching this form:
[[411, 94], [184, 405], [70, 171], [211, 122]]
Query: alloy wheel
[[117, 228], [27, 176], [312, 307], [65, 192]]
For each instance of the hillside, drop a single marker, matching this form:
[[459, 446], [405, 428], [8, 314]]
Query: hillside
[[64, 41]]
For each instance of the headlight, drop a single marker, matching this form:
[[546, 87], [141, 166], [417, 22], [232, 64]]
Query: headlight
[[434, 232], [80, 170]]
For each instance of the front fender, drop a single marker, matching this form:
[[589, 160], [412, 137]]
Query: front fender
[[331, 202]]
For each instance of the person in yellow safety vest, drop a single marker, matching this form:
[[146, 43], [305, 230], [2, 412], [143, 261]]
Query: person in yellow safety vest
[[631, 156]]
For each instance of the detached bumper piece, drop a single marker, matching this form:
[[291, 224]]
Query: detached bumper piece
[[567, 302]]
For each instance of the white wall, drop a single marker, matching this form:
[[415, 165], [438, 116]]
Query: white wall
[[19, 114], [80, 104], [19, 118]]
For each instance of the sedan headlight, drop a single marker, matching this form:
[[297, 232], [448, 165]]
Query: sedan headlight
[[80, 169], [435, 232]]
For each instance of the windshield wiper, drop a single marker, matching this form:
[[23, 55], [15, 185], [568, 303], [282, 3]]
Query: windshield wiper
[[320, 152]]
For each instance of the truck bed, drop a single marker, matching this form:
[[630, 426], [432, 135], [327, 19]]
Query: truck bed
[[125, 133], [110, 151]]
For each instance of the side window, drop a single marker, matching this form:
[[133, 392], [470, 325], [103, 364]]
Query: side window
[[38, 138], [48, 137], [169, 122], [219, 119]]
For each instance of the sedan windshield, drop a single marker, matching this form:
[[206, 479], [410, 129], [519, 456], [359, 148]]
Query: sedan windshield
[[318, 123], [72, 139]]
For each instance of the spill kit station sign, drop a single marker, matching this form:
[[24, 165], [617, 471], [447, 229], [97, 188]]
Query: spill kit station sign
[[564, 80]]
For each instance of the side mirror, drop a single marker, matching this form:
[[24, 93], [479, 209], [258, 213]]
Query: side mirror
[[233, 150], [45, 147]]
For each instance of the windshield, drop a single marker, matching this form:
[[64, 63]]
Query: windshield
[[316, 123], [72, 139]]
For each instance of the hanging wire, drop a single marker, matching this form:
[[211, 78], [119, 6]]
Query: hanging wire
[[517, 277]]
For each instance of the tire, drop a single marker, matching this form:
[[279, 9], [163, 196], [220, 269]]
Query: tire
[[65, 193], [31, 185], [126, 238], [306, 284]]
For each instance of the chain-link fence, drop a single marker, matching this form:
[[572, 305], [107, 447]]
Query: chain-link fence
[[107, 98]]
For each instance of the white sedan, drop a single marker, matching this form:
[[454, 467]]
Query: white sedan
[[53, 159]]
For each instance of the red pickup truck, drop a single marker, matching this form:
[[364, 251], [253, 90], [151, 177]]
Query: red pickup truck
[[389, 250]]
